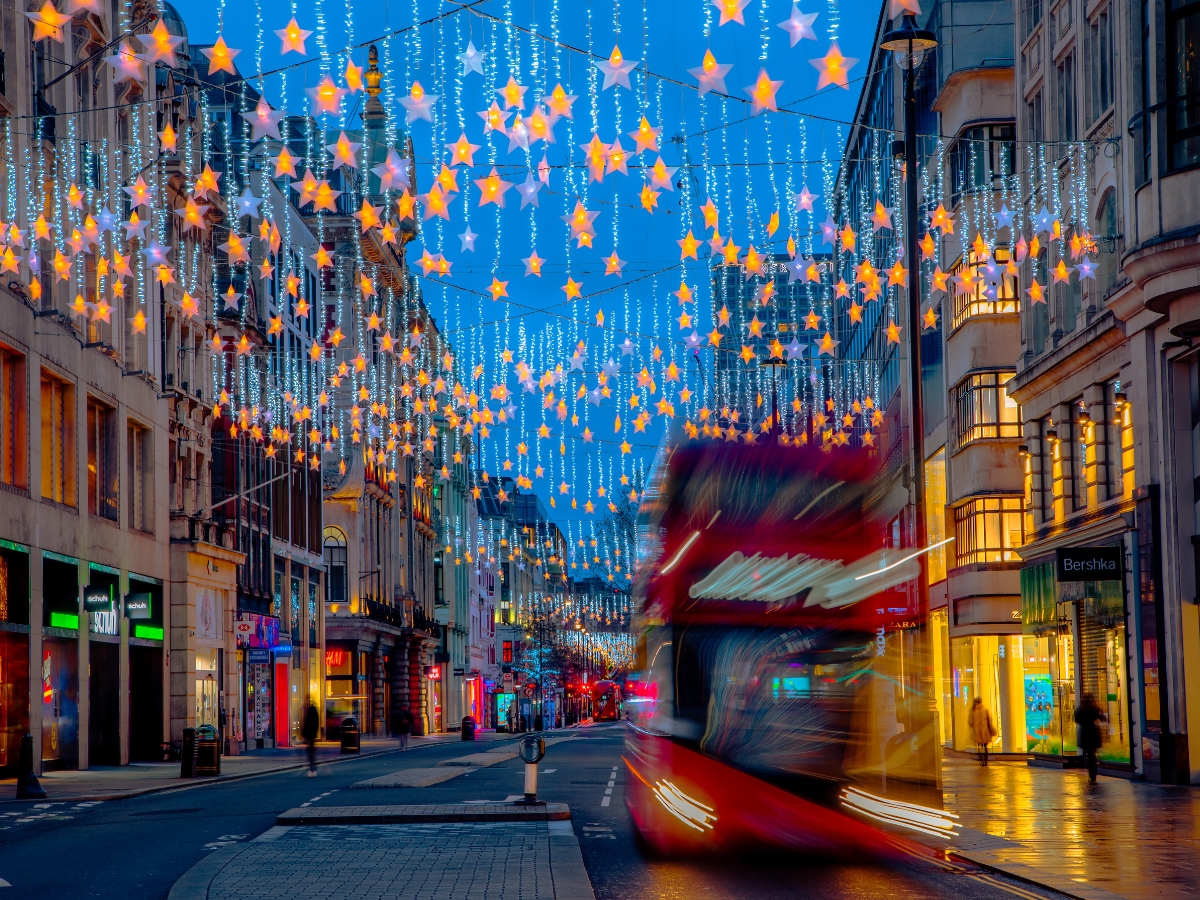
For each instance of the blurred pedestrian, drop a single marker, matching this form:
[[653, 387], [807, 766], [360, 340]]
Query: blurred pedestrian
[[979, 722], [312, 725], [1088, 717], [402, 725]]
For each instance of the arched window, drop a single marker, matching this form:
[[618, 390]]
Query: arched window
[[1106, 240], [335, 565]]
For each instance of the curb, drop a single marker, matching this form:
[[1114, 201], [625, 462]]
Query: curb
[[567, 871], [1033, 876], [450, 812], [193, 884], [189, 784]]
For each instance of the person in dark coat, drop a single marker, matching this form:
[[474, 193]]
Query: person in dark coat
[[1088, 717], [312, 726], [402, 723]]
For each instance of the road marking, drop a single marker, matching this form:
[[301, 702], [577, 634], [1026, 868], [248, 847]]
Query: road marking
[[549, 771], [4, 883], [593, 831], [605, 801], [225, 840]]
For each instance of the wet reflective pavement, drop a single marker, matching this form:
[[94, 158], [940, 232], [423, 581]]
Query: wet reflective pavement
[[1129, 839]]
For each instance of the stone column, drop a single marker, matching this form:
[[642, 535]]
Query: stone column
[[400, 675], [415, 697], [378, 720], [1094, 400]]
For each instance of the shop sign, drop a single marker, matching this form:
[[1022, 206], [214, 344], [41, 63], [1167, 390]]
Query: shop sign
[[1089, 564], [137, 606], [96, 599], [433, 673], [460, 672], [256, 631], [258, 656], [508, 682]]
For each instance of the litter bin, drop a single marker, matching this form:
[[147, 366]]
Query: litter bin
[[351, 739], [208, 751], [538, 722], [468, 728], [187, 757]]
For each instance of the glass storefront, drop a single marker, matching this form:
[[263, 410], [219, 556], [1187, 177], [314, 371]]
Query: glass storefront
[[988, 667], [208, 690], [1074, 644], [939, 628]]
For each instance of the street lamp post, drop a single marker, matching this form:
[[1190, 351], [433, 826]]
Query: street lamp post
[[908, 45]]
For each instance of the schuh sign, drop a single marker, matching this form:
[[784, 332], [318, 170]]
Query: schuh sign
[[1090, 564]]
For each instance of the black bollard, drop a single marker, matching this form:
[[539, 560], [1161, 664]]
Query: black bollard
[[187, 759], [28, 787]]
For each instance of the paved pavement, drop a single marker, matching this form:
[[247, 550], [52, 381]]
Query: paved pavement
[[121, 782], [1117, 838]]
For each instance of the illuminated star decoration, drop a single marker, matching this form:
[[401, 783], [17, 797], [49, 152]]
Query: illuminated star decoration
[[472, 60], [833, 68], [762, 92], [731, 11], [616, 69], [220, 57], [804, 199], [160, 46], [127, 65], [48, 22], [293, 38], [418, 104], [799, 25], [264, 121], [468, 239], [393, 173], [710, 74], [327, 96]]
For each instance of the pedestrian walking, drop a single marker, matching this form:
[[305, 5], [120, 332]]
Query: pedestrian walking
[[312, 725], [1088, 717], [979, 721], [402, 725]]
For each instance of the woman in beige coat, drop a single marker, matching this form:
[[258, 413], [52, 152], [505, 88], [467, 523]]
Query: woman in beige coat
[[979, 722]]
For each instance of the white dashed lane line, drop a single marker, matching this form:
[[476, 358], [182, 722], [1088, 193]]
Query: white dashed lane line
[[225, 840], [56, 812], [612, 781], [319, 798]]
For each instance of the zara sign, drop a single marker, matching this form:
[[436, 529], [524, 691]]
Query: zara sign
[[1090, 564]]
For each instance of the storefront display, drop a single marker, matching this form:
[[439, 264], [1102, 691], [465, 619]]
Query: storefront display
[[14, 652], [257, 640], [60, 702], [988, 667]]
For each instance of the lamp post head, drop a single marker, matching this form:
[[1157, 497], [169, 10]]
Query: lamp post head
[[908, 43]]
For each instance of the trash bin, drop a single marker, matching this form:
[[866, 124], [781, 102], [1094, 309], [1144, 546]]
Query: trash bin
[[187, 757], [468, 728], [208, 751], [538, 722], [351, 739]]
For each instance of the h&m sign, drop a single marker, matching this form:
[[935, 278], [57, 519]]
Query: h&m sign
[[1090, 564]]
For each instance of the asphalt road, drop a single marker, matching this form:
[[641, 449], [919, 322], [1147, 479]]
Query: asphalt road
[[139, 847]]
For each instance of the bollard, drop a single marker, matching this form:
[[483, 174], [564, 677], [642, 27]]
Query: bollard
[[28, 787], [187, 759], [533, 749]]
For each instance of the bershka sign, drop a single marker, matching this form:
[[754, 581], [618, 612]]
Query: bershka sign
[[1090, 564]]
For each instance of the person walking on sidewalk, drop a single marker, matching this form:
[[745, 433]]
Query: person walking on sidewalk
[[312, 725], [1088, 717], [402, 726], [979, 721]]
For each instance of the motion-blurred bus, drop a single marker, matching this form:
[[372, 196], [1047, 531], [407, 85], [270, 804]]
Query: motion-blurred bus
[[606, 701], [782, 693]]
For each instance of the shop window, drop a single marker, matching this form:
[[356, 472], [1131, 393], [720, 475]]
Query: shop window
[[1106, 239], [1183, 84], [943, 681], [988, 530], [140, 451], [1102, 662], [13, 440], [335, 566], [1120, 442], [985, 410], [1048, 656], [988, 668], [980, 156], [985, 288], [14, 589], [935, 514], [103, 476], [58, 439]]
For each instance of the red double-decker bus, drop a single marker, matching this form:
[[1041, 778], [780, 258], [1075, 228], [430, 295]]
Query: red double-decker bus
[[606, 701], [782, 693]]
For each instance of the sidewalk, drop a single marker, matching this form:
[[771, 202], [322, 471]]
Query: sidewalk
[[121, 782], [458, 851], [1119, 838]]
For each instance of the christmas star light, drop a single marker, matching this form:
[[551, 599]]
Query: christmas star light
[[47, 23], [799, 25], [616, 69], [528, 190], [762, 92], [512, 94], [292, 38], [472, 60], [344, 152], [418, 104], [731, 11], [710, 74], [160, 46], [393, 173], [646, 137], [833, 68], [533, 264], [126, 64], [492, 189], [882, 217], [462, 151], [327, 96], [220, 57]]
